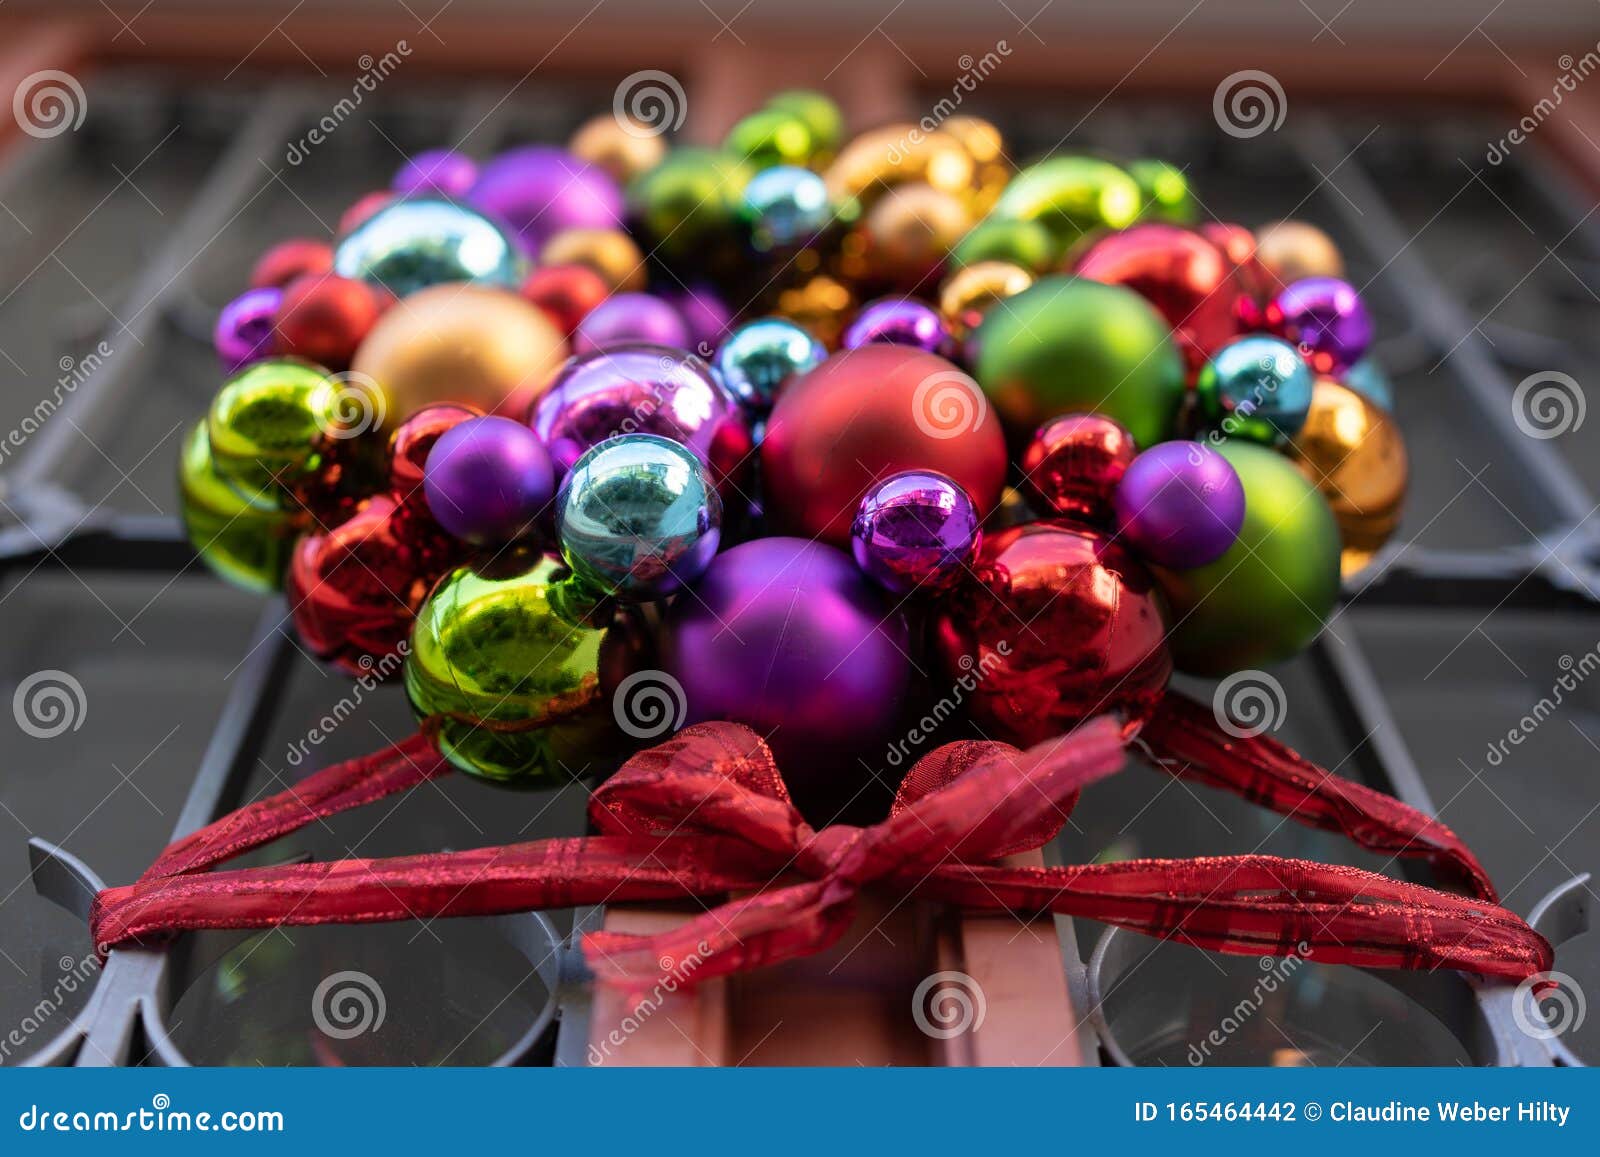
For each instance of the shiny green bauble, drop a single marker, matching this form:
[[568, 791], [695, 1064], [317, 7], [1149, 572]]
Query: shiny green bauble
[[691, 199], [491, 656], [1066, 344], [1072, 196], [247, 546], [820, 115], [1025, 243], [1270, 595], [266, 425], [771, 136], [1167, 195]]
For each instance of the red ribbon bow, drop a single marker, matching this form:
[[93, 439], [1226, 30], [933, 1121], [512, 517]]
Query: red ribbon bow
[[706, 814]]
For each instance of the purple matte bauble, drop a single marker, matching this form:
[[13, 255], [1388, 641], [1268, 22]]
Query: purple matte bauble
[[243, 333], [704, 313], [436, 171], [898, 321], [788, 637], [915, 529], [539, 191], [1179, 505], [487, 480], [1326, 318], [625, 318]]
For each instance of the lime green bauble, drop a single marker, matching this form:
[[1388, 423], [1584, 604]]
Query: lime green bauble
[[688, 201], [771, 136], [507, 682], [820, 115], [1025, 243], [1072, 196], [1066, 344], [244, 544], [1167, 195], [266, 428], [1272, 592]]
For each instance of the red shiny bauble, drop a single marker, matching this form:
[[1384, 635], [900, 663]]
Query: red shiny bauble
[[566, 293], [362, 208], [324, 318], [865, 414], [1074, 463], [287, 260], [1058, 623], [1189, 280], [355, 590], [409, 446], [1238, 245]]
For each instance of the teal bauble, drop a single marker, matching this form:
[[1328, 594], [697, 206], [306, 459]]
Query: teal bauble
[[1272, 592], [411, 244], [1067, 345], [758, 358], [786, 207], [1257, 388], [1369, 379]]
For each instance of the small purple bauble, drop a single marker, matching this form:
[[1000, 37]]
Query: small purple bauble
[[539, 191], [1180, 505], [915, 529], [1326, 318], [487, 480], [243, 333], [630, 318], [704, 313], [643, 389], [899, 321], [788, 637], [442, 172]]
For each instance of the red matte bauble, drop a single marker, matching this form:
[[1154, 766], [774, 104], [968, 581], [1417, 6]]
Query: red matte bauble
[[1074, 462], [566, 293], [324, 318], [865, 414], [287, 260], [1058, 623], [1189, 280], [409, 446], [363, 207], [355, 590]]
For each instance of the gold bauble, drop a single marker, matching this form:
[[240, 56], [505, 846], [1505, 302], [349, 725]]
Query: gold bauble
[[820, 305], [910, 231], [1353, 452], [1292, 250], [609, 252], [894, 155], [458, 343], [606, 142], [987, 148], [969, 293]]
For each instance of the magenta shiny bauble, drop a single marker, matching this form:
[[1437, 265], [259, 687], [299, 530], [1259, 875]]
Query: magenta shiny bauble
[[915, 530], [243, 333], [539, 191], [1326, 318], [444, 172], [487, 480], [899, 321], [1180, 505], [704, 313], [625, 318]]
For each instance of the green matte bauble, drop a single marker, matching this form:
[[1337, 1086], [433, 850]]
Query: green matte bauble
[[1066, 344], [1271, 593], [689, 200], [1167, 195], [770, 136], [247, 546], [1025, 243], [1072, 196], [265, 426], [509, 684], [820, 115]]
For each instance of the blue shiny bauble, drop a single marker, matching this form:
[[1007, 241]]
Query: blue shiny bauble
[[411, 244], [1257, 388], [786, 206], [1368, 379], [760, 356], [638, 517]]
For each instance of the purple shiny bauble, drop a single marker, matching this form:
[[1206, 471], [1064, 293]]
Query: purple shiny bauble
[[704, 312], [444, 172], [243, 333], [1179, 505], [625, 318], [1326, 318], [899, 321], [788, 637], [487, 480], [644, 389], [538, 191], [915, 529]]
